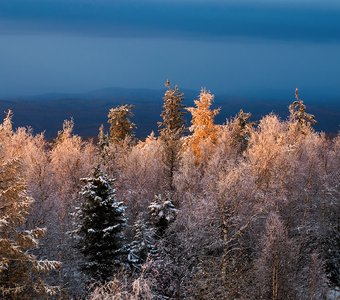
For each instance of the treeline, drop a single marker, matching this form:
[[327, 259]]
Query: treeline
[[243, 210]]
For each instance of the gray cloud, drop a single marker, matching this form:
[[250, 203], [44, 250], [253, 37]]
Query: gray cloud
[[62, 45], [298, 21]]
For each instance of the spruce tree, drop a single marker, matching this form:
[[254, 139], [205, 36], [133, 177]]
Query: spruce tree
[[298, 114], [172, 126], [21, 273], [241, 130], [101, 224], [103, 143], [143, 244], [171, 129], [121, 126], [162, 213], [103, 139], [203, 127]]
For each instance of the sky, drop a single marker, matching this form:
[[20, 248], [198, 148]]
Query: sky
[[242, 48]]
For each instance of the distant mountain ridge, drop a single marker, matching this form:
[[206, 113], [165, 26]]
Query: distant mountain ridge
[[46, 112], [102, 94]]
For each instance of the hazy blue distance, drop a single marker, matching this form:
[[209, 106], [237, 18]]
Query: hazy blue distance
[[240, 48]]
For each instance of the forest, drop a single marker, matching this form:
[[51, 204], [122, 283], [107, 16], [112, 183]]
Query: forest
[[248, 209]]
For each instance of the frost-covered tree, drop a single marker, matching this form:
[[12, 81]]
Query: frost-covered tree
[[171, 129], [71, 159], [162, 212], [101, 224], [315, 279], [268, 153], [121, 126], [21, 273], [103, 145], [204, 131], [276, 268], [241, 128], [143, 244], [103, 139], [298, 114], [6, 126], [122, 288], [172, 125], [140, 174]]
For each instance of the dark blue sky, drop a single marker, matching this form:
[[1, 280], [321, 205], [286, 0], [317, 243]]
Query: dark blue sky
[[235, 47]]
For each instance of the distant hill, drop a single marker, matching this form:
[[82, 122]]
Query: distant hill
[[46, 112]]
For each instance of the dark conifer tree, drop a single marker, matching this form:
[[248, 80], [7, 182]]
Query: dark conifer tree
[[241, 130], [102, 221], [162, 212], [143, 244]]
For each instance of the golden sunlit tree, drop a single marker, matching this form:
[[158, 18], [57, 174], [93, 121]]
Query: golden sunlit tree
[[21, 273], [203, 129], [121, 126]]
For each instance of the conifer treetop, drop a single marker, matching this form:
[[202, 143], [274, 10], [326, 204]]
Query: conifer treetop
[[172, 126], [120, 122], [202, 115], [298, 112]]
